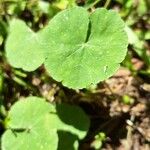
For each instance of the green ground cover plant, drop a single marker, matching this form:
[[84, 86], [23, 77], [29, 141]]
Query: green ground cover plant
[[77, 50], [66, 44], [57, 61], [33, 123]]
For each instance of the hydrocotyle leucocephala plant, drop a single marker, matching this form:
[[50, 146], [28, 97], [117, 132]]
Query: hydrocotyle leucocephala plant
[[77, 48], [34, 124]]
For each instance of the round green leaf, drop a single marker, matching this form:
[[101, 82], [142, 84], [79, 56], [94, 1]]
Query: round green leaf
[[85, 49], [24, 48], [28, 128], [34, 124], [41, 139]]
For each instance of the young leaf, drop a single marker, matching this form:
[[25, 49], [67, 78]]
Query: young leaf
[[28, 128], [37, 139], [85, 49], [24, 48], [33, 124]]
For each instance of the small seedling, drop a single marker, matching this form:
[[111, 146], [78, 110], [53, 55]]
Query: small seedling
[[98, 141], [127, 100]]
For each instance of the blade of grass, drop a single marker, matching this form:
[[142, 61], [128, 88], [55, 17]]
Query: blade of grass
[[88, 6]]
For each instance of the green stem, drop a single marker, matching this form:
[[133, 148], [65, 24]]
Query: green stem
[[27, 85], [87, 6], [107, 3]]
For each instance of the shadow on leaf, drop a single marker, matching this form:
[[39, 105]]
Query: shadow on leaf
[[67, 141], [73, 115]]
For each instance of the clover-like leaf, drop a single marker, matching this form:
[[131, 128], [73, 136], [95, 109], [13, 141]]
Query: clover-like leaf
[[28, 128], [80, 48], [33, 124], [85, 49], [41, 139], [24, 48]]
